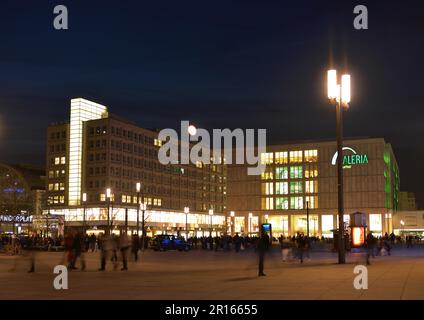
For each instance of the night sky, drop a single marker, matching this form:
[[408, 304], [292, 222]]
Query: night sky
[[219, 64]]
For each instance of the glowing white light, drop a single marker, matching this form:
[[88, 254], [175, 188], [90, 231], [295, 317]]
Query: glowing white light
[[192, 130], [232, 213], [211, 212], [186, 209], [332, 84], [345, 89], [84, 197], [138, 186], [108, 193]]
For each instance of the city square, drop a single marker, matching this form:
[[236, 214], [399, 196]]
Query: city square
[[212, 151], [220, 275]]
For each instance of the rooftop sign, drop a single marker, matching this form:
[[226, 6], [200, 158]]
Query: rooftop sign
[[349, 160], [16, 219]]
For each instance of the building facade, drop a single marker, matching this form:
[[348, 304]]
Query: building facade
[[22, 191], [97, 151], [407, 201], [301, 178]]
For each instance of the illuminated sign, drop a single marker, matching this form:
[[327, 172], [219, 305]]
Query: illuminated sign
[[349, 160], [15, 219], [358, 236]]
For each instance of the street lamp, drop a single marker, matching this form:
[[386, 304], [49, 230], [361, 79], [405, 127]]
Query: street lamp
[[340, 96], [403, 227], [138, 189], [307, 218], [186, 211], [233, 224], [211, 214], [143, 228], [108, 196], [192, 130], [250, 222], [84, 200]]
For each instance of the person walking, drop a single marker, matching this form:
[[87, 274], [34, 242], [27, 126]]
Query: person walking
[[107, 247], [263, 245], [285, 248], [78, 247], [301, 245], [135, 246], [124, 246], [369, 244]]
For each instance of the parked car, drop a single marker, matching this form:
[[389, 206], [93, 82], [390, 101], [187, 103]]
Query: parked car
[[166, 242]]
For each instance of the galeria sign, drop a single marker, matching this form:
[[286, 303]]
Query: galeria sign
[[352, 159]]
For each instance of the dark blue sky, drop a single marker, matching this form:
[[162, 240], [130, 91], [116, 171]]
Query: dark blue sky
[[246, 64]]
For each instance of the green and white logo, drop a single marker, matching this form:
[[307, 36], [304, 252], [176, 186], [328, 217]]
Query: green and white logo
[[349, 160]]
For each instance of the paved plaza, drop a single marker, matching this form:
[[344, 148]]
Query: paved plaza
[[219, 275]]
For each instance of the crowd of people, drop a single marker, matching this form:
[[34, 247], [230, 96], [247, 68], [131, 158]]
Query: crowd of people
[[119, 248]]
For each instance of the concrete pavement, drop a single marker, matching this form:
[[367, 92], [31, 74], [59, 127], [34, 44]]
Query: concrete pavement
[[219, 275]]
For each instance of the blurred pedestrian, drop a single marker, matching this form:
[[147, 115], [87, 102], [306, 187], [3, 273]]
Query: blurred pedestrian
[[135, 246], [262, 247], [124, 246]]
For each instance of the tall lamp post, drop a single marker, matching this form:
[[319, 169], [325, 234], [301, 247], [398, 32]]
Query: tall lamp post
[[186, 211], [307, 218], [340, 96], [108, 196], [233, 223], [84, 200], [250, 223], [143, 228], [138, 189], [211, 215]]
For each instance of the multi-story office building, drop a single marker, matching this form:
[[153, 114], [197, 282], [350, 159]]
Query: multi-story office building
[[303, 176], [97, 151], [21, 196]]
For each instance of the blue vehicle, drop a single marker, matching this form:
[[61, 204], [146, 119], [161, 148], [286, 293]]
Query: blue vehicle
[[165, 242]]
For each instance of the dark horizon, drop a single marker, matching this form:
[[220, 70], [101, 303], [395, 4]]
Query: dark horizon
[[220, 65]]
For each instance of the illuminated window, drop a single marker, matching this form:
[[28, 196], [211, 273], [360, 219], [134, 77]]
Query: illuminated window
[[267, 174], [267, 203], [124, 198], [51, 174], [281, 173], [311, 155], [51, 186], [375, 223], [281, 157], [267, 158], [281, 188], [158, 142], [268, 188], [63, 160], [56, 187], [296, 172], [295, 156], [296, 202], [199, 164], [102, 197], [281, 203], [312, 202], [311, 171], [311, 186], [296, 187], [61, 199], [57, 160], [61, 186], [327, 223]]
